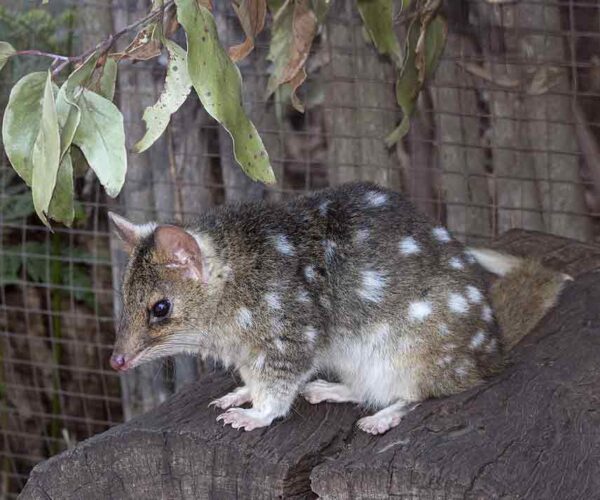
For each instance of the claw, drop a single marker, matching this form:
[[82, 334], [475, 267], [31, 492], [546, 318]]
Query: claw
[[243, 418]]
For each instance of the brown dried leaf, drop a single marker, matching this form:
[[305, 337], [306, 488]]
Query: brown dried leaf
[[251, 14], [294, 83], [170, 23], [206, 3], [143, 47], [485, 73], [293, 31], [304, 28], [544, 79]]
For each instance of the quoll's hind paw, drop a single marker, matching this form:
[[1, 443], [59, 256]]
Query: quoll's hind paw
[[235, 398], [378, 425], [385, 419], [241, 418]]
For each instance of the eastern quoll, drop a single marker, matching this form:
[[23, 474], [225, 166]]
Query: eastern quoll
[[349, 283]]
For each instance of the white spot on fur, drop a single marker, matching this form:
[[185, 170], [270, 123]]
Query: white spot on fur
[[310, 334], [273, 300], [329, 247], [478, 339], [323, 208], [419, 310], [441, 234], [283, 245], [486, 314], [474, 295], [456, 263], [463, 370], [325, 302], [279, 344], [375, 199], [381, 331], [244, 317], [276, 327], [470, 258], [373, 283], [361, 235], [309, 273], [445, 360], [259, 361], [443, 329], [458, 303], [303, 296], [492, 346], [409, 246]]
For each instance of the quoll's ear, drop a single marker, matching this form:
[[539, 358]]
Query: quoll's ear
[[130, 233], [177, 248]]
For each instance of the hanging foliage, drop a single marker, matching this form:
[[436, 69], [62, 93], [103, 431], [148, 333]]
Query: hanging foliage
[[49, 132]]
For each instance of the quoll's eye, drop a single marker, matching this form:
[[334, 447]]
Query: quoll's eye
[[161, 309]]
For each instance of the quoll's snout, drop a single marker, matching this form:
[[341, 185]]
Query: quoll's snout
[[118, 362]]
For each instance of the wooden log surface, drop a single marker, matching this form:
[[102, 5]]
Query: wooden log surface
[[531, 432]]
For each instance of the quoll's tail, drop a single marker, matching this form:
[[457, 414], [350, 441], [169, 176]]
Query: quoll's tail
[[523, 294]]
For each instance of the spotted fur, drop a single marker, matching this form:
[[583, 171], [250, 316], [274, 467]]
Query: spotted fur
[[350, 282]]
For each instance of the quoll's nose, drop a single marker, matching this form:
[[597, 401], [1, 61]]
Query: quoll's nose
[[117, 361]]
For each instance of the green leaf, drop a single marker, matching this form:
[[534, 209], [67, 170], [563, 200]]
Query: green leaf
[[377, 16], [21, 123], [46, 154], [16, 207], [35, 255], [407, 87], [67, 107], [81, 77], [430, 47], [9, 265], [321, 8], [177, 88], [6, 50], [108, 80], [424, 48], [78, 278], [69, 115], [218, 84], [101, 138], [61, 206]]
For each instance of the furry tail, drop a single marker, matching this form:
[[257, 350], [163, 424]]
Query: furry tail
[[522, 295]]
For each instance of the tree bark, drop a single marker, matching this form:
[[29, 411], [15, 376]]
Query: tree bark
[[533, 138], [461, 154], [360, 105], [145, 388], [238, 186], [530, 432]]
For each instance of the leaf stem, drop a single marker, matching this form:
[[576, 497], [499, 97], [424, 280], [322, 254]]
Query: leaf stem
[[102, 46]]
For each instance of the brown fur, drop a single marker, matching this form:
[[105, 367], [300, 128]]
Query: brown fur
[[350, 282], [523, 297]]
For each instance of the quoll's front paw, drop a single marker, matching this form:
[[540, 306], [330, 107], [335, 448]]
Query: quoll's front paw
[[235, 398], [242, 418]]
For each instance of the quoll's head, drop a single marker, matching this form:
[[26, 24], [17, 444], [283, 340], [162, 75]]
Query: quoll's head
[[165, 293]]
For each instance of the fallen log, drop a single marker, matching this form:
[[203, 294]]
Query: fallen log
[[531, 432]]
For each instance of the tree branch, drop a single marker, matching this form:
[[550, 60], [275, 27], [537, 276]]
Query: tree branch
[[102, 46]]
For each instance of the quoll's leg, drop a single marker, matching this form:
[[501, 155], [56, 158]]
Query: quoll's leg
[[274, 384], [321, 390], [237, 397], [385, 419]]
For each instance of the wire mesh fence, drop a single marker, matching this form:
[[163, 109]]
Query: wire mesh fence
[[505, 135]]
